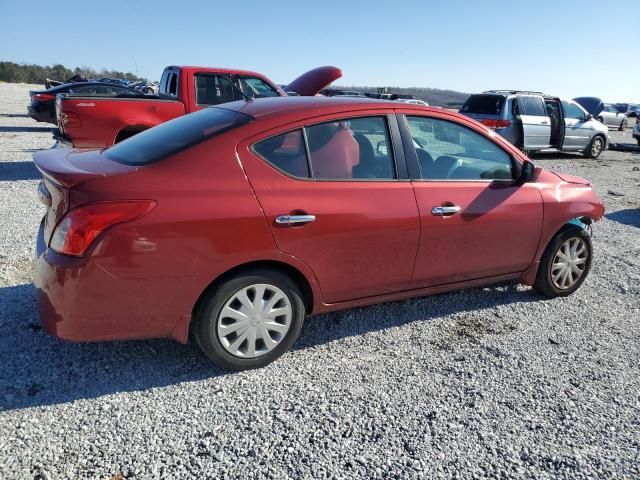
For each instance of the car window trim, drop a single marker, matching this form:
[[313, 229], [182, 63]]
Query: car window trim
[[311, 177], [414, 167]]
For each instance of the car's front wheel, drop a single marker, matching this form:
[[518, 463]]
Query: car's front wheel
[[250, 320], [595, 148], [565, 263]]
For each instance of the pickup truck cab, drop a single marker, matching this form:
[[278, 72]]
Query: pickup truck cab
[[90, 122]]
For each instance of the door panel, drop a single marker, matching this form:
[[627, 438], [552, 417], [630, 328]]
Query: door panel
[[496, 231], [577, 134], [536, 125], [364, 237]]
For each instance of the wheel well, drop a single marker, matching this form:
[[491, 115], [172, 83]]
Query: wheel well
[[293, 273], [128, 132]]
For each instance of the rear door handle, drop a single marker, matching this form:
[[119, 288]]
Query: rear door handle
[[445, 210], [294, 219], [544, 122]]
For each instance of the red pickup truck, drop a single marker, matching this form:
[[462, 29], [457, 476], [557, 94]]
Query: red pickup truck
[[98, 122]]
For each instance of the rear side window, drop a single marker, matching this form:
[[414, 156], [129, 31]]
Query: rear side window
[[483, 104], [175, 136], [533, 106], [286, 152]]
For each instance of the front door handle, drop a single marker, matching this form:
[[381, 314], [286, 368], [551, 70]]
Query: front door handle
[[445, 210], [294, 219]]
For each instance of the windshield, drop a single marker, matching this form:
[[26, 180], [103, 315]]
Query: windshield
[[483, 104], [175, 136]]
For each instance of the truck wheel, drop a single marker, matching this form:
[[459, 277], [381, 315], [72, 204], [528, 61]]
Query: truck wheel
[[250, 320], [565, 263], [595, 147]]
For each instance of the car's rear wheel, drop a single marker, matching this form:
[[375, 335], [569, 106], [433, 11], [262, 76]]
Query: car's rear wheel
[[595, 147], [250, 320], [565, 263]]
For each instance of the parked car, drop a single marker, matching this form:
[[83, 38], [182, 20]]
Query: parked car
[[534, 122], [43, 102], [636, 130], [612, 117], [104, 122], [234, 223], [413, 101], [633, 111]]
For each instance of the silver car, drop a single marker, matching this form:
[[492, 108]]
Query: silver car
[[611, 117], [536, 122]]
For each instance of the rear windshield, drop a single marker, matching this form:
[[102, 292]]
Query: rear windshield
[[175, 135], [483, 104]]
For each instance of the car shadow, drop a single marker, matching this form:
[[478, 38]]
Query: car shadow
[[12, 171], [40, 370], [14, 115], [630, 216], [26, 129]]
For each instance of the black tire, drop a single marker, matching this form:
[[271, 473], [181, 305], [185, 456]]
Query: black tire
[[592, 150], [544, 283], [639, 142], [209, 308]]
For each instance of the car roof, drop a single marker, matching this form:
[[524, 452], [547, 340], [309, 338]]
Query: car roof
[[301, 107]]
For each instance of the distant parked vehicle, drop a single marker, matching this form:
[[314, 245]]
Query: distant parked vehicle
[[636, 130], [413, 101], [633, 111], [534, 122], [612, 117], [182, 90], [43, 102]]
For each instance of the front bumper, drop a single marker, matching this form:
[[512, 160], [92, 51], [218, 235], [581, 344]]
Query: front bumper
[[81, 301]]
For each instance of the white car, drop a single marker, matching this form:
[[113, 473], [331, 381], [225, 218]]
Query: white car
[[611, 117], [414, 101]]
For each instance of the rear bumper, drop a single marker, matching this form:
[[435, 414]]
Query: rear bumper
[[61, 141], [81, 301], [41, 115]]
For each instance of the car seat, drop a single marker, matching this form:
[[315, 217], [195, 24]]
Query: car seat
[[366, 167], [444, 167], [334, 151]]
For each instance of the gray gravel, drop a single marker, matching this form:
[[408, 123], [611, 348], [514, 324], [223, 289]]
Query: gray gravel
[[491, 382]]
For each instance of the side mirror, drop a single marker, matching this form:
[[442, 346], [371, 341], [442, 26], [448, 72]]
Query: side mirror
[[588, 117], [526, 173]]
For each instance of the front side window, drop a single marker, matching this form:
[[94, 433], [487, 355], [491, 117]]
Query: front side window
[[572, 111], [214, 90], [256, 87], [533, 106], [348, 149], [449, 151]]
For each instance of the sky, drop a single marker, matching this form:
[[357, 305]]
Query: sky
[[567, 48]]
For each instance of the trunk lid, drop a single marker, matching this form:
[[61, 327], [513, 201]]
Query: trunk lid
[[63, 169], [310, 83]]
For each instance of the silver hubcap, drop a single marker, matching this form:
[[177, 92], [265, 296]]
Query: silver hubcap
[[254, 320], [596, 148], [569, 263]]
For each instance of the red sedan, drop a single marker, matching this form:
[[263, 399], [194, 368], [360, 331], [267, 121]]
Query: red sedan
[[238, 221]]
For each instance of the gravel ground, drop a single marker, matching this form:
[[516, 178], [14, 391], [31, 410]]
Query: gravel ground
[[490, 382]]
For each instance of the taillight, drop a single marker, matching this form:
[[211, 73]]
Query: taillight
[[496, 123], [70, 119], [77, 230], [43, 97]]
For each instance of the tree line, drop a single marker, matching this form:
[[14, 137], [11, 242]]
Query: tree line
[[23, 73]]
